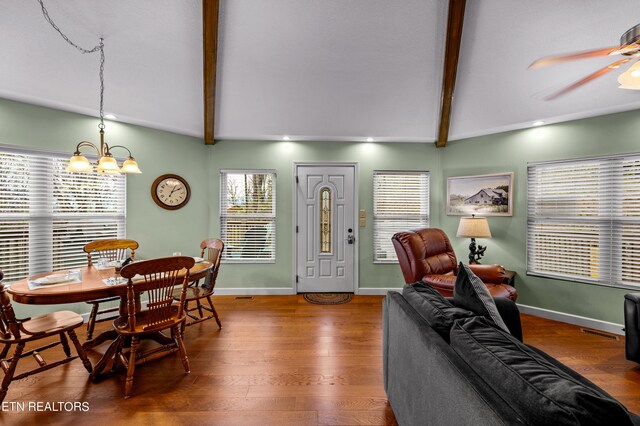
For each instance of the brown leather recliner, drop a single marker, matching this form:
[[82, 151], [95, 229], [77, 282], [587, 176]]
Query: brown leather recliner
[[426, 255]]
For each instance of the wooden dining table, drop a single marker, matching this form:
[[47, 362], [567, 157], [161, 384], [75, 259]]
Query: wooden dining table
[[92, 287]]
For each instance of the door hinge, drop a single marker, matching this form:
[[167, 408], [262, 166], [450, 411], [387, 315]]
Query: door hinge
[[297, 279], [297, 180], [297, 229]]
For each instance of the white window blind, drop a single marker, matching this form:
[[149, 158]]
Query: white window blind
[[47, 214], [400, 203], [248, 215], [584, 220]]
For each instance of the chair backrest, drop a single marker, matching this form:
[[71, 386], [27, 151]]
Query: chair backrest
[[423, 252], [111, 249], [158, 277], [214, 248]]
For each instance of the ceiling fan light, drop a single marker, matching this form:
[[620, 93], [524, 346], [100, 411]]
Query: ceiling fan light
[[78, 163], [130, 166], [630, 79]]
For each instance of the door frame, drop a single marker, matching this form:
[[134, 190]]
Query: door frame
[[356, 227]]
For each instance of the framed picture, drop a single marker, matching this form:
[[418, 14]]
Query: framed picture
[[483, 195]]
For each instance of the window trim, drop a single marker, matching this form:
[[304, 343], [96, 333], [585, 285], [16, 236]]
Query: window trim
[[272, 216], [373, 211], [611, 274]]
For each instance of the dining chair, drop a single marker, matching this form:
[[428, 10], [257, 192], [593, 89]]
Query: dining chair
[[196, 292], [158, 278], [19, 332], [112, 250]]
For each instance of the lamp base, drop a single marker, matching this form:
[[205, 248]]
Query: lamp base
[[475, 252]]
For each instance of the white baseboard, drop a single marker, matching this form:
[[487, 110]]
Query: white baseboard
[[609, 327], [373, 291], [230, 291]]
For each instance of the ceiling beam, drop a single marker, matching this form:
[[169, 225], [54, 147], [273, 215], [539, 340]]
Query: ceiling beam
[[210, 10], [451, 56]]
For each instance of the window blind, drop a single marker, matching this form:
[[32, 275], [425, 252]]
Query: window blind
[[248, 215], [47, 214], [583, 220], [400, 203]]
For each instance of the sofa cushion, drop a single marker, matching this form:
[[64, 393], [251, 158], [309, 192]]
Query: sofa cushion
[[539, 391], [434, 308], [471, 294]]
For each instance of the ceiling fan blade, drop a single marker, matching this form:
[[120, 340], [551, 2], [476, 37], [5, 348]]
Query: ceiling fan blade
[[550, 60], [602, 71]]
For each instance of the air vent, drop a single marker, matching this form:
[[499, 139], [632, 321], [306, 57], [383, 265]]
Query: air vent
[[244, 297], [600, 333]]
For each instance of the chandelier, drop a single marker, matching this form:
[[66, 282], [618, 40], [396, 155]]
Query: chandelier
[[107, 163]]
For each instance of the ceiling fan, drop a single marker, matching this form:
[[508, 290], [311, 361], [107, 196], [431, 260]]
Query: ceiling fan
[[629, 48]]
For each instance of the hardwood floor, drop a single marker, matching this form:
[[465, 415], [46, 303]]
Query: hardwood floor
[[280, 360]]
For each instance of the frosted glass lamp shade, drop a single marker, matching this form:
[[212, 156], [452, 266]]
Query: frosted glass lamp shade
[[108, 164], [130, 166], [79, 164], [630, 79], [474, 227]]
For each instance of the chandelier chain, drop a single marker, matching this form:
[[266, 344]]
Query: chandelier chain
[[99, 47]]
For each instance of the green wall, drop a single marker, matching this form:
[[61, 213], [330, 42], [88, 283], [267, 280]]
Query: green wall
[[511, 151], [281, 156], [160, 232]]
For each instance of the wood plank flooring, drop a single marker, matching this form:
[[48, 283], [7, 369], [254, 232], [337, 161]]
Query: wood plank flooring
[[281, 361]]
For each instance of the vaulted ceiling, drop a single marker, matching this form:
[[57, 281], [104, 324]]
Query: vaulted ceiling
[[321, 70]]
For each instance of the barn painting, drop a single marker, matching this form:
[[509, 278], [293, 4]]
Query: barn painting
[[487, 195]]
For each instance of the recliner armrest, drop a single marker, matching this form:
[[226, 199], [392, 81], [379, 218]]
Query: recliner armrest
[[489, 274]]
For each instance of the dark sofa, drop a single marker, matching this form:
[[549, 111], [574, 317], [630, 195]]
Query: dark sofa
[[428, 383]]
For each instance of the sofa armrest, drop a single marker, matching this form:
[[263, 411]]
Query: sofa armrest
[[489, 274], [632, 326]]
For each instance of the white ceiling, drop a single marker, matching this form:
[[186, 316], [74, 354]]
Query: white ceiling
[[321, 70]]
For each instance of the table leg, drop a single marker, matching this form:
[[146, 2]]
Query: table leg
[[102, 364], [110, 334]]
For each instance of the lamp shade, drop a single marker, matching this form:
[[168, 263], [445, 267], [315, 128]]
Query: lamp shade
[[108, 164], [79, 164], [630, 79], [130, 166], [474, 227]]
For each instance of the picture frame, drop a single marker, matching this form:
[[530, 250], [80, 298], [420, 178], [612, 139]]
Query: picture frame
[[482, 195]]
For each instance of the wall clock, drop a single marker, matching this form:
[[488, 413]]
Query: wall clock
[[170, 192]]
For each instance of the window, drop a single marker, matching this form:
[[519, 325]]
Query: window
[[248, 215], [47, 214], [400, 203], [583, 220]]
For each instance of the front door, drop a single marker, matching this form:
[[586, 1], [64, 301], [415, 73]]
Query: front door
[[326, 228]]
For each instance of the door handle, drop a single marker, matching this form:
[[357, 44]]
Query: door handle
[[351, 239]]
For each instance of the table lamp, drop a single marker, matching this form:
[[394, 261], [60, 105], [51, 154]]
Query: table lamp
[[474, 227]]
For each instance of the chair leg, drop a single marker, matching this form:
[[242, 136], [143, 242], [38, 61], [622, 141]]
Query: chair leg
[[183, 351], [199, 306], [81, 353], [65, 345], [213, 309], [5, 351], [128, 384], [8, 375], [91, 323]]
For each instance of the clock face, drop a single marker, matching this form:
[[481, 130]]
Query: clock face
[[170, 192]]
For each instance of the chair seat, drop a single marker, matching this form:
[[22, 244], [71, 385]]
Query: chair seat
[[142, 323], [193, 293], [48, 324], [103, 300]]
